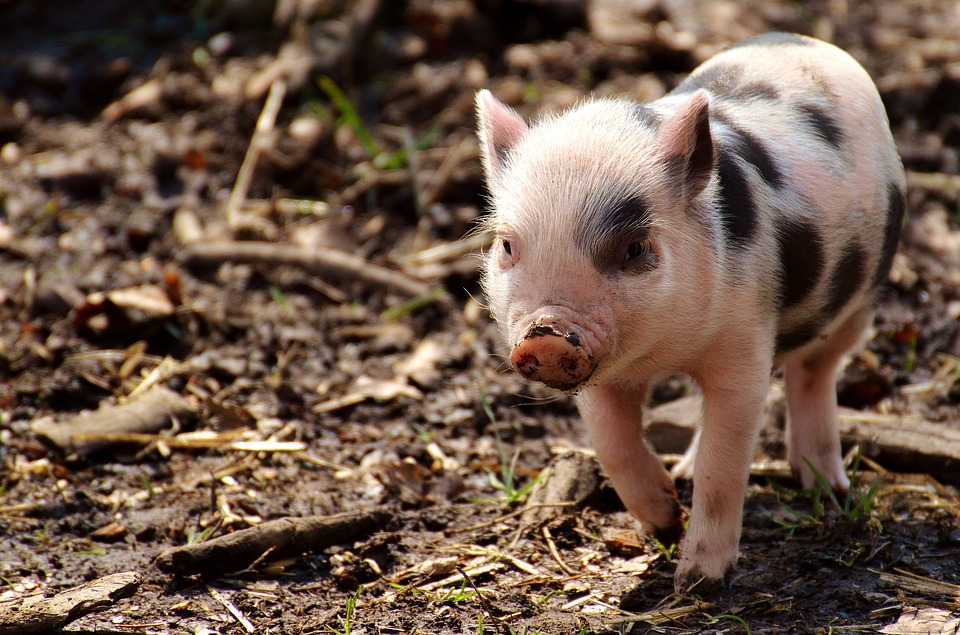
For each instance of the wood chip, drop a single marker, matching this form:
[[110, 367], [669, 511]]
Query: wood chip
[[622, 542]]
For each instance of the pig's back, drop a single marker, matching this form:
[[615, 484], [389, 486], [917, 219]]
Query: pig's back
[[809, 190]]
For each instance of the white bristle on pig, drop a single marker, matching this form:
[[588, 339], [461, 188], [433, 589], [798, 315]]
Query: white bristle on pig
[[745, 221]]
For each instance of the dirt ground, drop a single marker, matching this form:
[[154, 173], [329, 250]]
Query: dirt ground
[[315, 333]]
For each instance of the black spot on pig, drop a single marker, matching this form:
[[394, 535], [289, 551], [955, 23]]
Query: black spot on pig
[[801, 260], [845, 279], [823, 124], [718, 79], [611, 227], [755, 90], [797, 336], [625, 216], [896, 206], [737, 208], [746, 145], [648, 117]]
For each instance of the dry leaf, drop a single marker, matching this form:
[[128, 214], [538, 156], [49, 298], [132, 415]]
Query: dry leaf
[[925, 621]]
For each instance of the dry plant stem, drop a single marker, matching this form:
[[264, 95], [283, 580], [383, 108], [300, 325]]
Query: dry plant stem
[[480, 598], [552, 546], [514, 513], [232, 608], [288, 537], [187, 442], [450, 251], [329, 262], [258, 142], [37, 614]]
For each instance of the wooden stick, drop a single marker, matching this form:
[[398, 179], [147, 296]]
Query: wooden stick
[[328, 261], [287, 537], [261, 134]]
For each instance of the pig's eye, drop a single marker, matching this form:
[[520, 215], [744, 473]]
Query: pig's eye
[[637, 250], [506, 247], [639, 257]]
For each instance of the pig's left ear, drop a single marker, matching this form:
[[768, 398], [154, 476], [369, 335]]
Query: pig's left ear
[[685, 142], [499, 129]]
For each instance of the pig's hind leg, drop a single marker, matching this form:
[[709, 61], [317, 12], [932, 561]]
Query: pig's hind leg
[[811, 384], [614, 420], [684, 467]]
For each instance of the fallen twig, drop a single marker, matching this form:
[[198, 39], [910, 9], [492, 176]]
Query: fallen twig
[[329, 261], [258, 142], [232, 608], [552, 546], [288, 537]]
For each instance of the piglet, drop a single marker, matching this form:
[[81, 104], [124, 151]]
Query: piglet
[[744, 222]]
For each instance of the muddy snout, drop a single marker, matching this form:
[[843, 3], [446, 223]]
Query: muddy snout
[[553, 354]]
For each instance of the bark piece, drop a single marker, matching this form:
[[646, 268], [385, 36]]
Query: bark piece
[[37, 614], [569, 479], [81, 434], [282, 538], [622, 542]]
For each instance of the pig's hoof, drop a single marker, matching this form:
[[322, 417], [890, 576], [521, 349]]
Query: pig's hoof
[[697, 584], [550, 356], [702, 578], [830, 471], [669, 536]]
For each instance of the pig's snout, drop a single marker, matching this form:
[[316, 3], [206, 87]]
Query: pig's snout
[[553, 354]]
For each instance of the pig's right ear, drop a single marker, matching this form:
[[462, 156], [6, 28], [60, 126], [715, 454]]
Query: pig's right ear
[[499, 129], [685, 142]]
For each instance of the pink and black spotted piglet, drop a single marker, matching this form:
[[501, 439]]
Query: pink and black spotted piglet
[[745, 221]]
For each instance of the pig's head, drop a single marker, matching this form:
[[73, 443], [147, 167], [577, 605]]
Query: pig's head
[[594, 212]]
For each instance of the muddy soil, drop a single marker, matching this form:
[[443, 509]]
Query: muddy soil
[[134, 259]]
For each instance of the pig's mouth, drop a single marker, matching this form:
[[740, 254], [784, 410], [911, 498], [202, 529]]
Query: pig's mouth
[[553, 355]]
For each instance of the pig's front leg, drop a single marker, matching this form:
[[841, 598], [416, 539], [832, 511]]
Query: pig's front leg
[[734, 396], [613, 417]]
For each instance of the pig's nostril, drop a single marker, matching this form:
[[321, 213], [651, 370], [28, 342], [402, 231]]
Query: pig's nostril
[[526, 365], [569, 365]]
